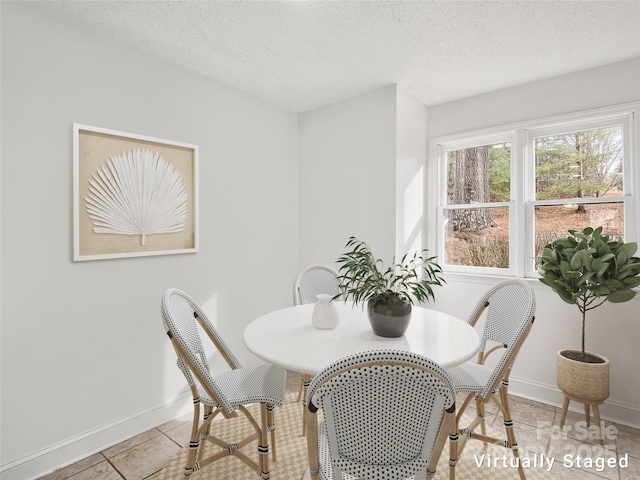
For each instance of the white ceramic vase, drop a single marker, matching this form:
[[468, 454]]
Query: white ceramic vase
[[325, 314]]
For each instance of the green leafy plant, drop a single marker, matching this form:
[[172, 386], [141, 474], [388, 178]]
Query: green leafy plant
[[587, 268], [363, 277]]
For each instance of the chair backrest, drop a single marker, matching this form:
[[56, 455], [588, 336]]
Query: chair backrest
[[387, 413], [179, 315], [510, 307], [314, 280]]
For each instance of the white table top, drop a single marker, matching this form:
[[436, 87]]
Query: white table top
[[286, 337]]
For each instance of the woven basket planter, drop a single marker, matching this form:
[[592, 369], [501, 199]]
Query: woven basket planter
[[582, 381]]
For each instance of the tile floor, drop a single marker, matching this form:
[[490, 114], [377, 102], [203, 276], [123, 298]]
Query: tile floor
[[143, 456]]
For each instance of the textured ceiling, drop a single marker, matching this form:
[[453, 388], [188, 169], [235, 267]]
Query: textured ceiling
[[304, 54]]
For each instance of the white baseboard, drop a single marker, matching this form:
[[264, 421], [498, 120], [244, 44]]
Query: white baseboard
[[88, 443], [612, 410]]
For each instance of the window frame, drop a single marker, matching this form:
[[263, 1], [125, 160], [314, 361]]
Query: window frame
[[522, 201], [476, 141]]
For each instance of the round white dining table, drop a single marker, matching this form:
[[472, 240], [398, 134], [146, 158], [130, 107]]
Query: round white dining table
[[286, 337]]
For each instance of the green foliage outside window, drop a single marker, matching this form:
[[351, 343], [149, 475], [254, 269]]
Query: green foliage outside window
[[500, 173], [579, 164]]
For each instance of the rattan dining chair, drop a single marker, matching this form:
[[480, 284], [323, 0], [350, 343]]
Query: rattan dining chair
[[224, 393], [386, 415], [510, 308], [311, 281]]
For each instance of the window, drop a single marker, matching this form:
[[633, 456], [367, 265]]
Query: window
[[505, 193], [477, 209]]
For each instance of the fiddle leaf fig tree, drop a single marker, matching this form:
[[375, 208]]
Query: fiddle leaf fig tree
[[588, 268], [364, 277]]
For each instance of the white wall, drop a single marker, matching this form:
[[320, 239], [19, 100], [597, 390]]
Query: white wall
[[604, 86], [612, 330], [361, 173], [411, 153], [85, 361], [347, 171]]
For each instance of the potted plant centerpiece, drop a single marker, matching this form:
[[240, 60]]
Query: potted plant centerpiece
[[586, 269], [389, 293]]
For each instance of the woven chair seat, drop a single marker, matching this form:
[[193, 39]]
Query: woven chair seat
[[470, 377], [263, 383]]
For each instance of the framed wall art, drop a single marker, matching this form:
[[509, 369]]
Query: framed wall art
[[132, 195]]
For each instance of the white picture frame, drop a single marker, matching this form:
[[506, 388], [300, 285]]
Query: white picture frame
[[133, 195]]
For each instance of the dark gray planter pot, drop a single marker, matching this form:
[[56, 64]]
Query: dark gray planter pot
[[389, 319]]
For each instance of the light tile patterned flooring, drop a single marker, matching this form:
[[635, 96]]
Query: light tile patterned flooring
[[143, 456]]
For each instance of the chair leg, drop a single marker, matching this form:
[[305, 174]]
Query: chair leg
[[271, 422], [454, 436], [508, 424], [480, 412], [263, 444], [208, 411], [455, 448], [304, 420], [306, 380], [301, 387], [194, 440]]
